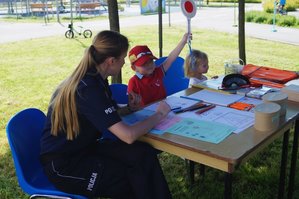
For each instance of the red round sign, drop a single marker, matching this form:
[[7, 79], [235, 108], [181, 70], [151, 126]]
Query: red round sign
[[188, 8]]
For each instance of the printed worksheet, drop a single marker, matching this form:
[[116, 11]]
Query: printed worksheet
[[201, 130], [160, 128], [241, 120], [137, 116]]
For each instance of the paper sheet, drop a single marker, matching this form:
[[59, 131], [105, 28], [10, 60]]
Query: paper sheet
[[201, 130], [174, 102], [215, 97], [241, 120], [160, 128], [211, 83], [137, 116]]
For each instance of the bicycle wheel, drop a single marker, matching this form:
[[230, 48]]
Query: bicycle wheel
[[87, 33], [69, 34], [61, 9]]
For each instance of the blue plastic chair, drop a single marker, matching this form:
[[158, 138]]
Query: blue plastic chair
[[119, 93], [174, 80], [23, 133]]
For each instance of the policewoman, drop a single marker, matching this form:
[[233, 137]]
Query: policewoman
[[74, 158]]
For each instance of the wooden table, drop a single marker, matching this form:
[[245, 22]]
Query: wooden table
[[234, 150]]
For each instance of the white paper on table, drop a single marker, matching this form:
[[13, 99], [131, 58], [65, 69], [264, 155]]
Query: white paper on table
[[174, 102], [250, 100], [229, 116], [215, 97]]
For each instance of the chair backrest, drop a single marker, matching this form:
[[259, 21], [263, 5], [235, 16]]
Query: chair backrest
[[174, 80], [119, 93], [24, 131]]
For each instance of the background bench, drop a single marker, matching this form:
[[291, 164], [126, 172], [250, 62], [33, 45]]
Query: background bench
[[41, 8], [89, 7]]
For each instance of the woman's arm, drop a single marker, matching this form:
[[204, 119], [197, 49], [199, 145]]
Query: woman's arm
[[129, 134]]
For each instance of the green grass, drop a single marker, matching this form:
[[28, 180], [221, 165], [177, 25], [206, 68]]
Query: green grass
[[30, 70], [267, 18]]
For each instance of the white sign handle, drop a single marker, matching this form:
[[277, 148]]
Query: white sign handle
[[189, 29]]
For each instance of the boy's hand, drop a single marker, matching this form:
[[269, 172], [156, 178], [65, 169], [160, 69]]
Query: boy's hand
[[134, 101], [187, 37], [163, 108]]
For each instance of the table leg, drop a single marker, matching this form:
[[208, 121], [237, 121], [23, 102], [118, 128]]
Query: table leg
[[293, 160], [202, 170], [283, 164], [228, 186], [190, 170]]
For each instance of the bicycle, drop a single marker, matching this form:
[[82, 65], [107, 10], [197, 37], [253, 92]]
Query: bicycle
[[71, 32]]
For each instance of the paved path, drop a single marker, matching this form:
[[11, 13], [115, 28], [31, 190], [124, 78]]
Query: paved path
[[217, 19]]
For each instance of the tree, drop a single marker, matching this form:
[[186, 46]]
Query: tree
[[114, 25], [242, 53]]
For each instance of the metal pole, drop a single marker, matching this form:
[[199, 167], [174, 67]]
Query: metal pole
[[71, 11], [160, 29], [274, 15], [57, 11], [235, 24], [169, 24]]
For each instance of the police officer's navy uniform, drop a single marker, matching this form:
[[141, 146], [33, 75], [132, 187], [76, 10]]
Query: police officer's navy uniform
[[93, 167]]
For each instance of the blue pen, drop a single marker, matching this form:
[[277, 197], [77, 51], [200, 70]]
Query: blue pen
[[176, 108], [190, 98]]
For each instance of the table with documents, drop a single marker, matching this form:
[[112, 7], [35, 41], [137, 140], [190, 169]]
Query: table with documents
[[235, 149]]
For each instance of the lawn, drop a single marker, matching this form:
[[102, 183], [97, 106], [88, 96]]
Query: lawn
[[30, 70]]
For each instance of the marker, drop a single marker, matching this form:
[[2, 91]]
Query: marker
[[190, 98], [205, 109], [191, 108]]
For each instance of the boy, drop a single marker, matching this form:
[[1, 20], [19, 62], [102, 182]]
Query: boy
[[148, 80]]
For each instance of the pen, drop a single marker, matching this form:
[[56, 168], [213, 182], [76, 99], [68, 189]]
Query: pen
[[190, 98], [205, 109], [176, 108]]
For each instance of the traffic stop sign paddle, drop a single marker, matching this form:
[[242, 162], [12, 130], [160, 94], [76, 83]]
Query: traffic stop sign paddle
[[189, 10]]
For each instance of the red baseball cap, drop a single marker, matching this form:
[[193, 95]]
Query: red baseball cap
[[139, 55]]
